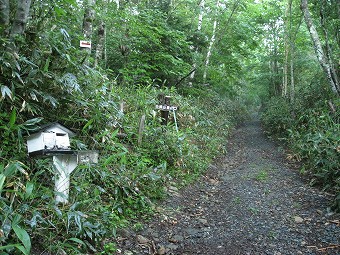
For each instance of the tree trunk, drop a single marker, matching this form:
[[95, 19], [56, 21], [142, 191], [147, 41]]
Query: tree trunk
[[277, 85], [318, 48], [211, 43], [285, 73], [287, 49], [199, 28], [4, 13], [21, 17], [292, 81], [89, 16], [100, 43], [329, 51]]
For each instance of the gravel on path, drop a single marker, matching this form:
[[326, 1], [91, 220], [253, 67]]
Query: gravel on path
[[250, 202]]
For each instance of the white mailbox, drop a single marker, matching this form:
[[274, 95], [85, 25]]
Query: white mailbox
[[54, 140], [50, 139]]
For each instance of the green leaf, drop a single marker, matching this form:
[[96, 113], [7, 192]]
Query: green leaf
[[2, 181], [31, 125], [76, 240], [88, 124], [23, 249], [19, 77], [23, 237], [47, 64], [10, 169], [12, 118], [29, 189], [9, 246], [32, 122], [6, 91]]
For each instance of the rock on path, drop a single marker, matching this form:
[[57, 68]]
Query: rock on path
[[251, 202]]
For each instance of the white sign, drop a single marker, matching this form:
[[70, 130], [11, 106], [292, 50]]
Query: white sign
[[85, 44], [166, 107]]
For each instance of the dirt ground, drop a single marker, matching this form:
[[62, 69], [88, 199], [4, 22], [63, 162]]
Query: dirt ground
[[252, 201]]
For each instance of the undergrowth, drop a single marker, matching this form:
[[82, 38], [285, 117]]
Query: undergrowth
[[311, 128], [131, 175]]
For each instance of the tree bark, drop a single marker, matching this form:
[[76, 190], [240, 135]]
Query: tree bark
[[89, 16], [289, 54], [100, 43], [199, 28], [322, 58], [21, 17], [211, 43], [292, 81], [328, 48], [287, 48], [4, 13]]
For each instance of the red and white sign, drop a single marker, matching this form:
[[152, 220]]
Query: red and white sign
[[85, 44]]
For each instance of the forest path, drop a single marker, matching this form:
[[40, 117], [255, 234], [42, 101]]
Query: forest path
[[250, 202]]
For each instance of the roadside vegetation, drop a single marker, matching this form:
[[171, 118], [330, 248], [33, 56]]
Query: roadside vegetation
[[218, 60], [310, 129]]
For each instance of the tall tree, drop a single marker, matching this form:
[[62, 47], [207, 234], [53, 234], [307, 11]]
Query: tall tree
[[211, 43], [100, 43], [287, 44], [89, 17], [323, 59], [276, 80], [4, 12], [292, 23], [21, 17], [199, 28]]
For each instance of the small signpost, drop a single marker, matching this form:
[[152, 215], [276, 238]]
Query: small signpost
[[165, 107], [85, 44]]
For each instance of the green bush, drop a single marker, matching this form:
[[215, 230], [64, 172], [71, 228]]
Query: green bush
[[128, 177], [313, 135], [277, 117]]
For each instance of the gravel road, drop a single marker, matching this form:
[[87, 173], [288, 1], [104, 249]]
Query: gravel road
[[252, 201]]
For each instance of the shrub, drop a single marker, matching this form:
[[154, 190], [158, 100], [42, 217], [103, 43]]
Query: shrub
[[313, 135], [277, 117]]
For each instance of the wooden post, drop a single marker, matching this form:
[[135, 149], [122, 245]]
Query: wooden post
[[165, 101], [141, 130], [121, 133]]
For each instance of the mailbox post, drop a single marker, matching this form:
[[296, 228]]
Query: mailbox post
[[53, 140], [63, 166]]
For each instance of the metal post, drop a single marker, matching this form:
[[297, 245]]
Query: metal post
[[176, 126]]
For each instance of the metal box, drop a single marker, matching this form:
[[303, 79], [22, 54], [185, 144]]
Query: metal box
[[50, 139]]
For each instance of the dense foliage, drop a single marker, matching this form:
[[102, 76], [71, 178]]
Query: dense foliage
[[46, 78], [302, 107], [312, 134], [216, 59]]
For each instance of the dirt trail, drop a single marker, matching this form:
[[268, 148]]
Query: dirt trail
[[250, 202]]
